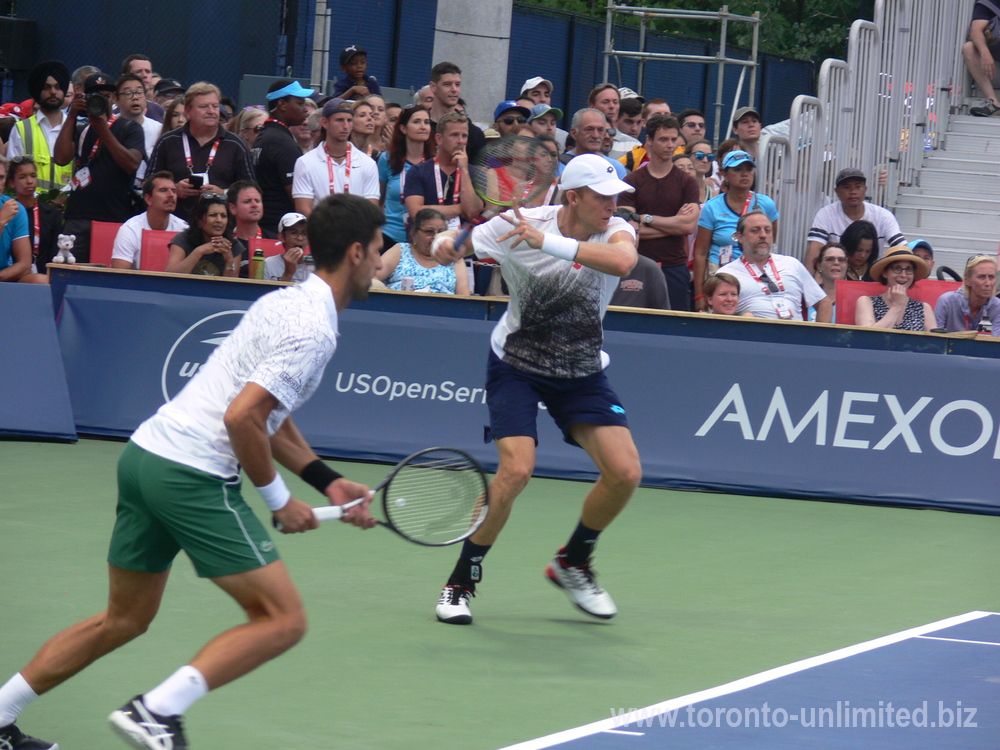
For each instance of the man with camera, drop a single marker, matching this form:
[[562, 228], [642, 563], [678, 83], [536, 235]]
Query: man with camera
[[108, 152]]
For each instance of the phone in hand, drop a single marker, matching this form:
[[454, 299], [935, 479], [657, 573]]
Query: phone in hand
[[197, 180]]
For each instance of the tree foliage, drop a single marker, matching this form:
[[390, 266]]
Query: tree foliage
[[798, 29]]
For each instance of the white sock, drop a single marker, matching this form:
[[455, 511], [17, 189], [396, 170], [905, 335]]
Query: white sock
[[177, 693], [14, 696]]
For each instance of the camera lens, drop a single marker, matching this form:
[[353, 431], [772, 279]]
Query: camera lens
[[98, 105]]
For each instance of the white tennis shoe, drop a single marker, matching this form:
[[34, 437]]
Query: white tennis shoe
[[453, 604], [581, 586]]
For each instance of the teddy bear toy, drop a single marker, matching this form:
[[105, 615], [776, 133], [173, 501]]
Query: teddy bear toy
[[65, 244]]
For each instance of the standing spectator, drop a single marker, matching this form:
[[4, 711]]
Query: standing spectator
[[924, 250], [167, 90], [666, 200], [588, 129], [378, 142], [107, 155], [392, 112], [336, 165], [206, 248], [446, 86], [605, 98], [509, 117], [131, 101], [302, 134], [832, 265], [543, 119], [714, 246], [36, 135], [981, 52], [830, 221], [746, 127], [443, 182], [411, 144], [630, 120], [140, 65], [173, 118], [413, 260], [637, 156], [363, 129], [275, 150], [248, 124], [692, 123], [43, 219], [894, 308], [424, 97], [967, 308], [539, 91], [644, 287], [159, 193], [703, 159], [860, 240], [203, 156], [355, 83], [772, 285]]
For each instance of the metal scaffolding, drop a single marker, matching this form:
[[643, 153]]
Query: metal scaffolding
[[723, 16]]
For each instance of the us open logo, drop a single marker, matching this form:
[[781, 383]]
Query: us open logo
[[193, 347]]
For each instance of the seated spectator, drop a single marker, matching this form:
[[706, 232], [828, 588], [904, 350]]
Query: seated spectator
[[746, 128], [44, 219], [166, 90], [15, 242], [202, 155], [549, 198], [703, 159], [973, 307], [411, 144], [173, 116], [363, 129], [894, 308], [355, 83], [924, 250], [246, 212], [438, 182], [108, 153], [981, 52], [860, 239], [509, 117], [722, 290], [714, 246], [206, 248], [831, 220], [588, 130], [832, 265], [411, 265], [772, 285], [159, 193], [336, 165], [293, 264], [684, 163], [543, 118], [644, 287]]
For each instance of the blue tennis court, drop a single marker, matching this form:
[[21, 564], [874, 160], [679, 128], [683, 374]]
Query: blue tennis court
[[935, 686]]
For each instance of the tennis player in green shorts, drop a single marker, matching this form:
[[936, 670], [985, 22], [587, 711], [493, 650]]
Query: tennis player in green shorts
[[179, 489]]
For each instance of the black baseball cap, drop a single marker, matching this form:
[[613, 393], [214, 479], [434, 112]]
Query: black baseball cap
[[168, 84], [348, 52], [98, 82]]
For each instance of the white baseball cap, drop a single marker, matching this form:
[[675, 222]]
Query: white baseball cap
[[533, 82], [290, 220], [594, 172]]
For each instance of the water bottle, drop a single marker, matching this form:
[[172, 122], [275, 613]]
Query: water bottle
[[257, 264], [985, 324]]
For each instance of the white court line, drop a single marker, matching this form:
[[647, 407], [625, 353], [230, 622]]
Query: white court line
[[747, 682], [956, 640], [622, 731]]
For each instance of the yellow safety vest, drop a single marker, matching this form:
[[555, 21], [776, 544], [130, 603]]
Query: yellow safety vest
[[50, 174]]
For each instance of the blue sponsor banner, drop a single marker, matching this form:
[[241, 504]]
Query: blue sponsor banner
[[34, 401], [733, 414]]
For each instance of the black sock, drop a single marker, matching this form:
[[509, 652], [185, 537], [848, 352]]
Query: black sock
[[469, 568], [581, 545]]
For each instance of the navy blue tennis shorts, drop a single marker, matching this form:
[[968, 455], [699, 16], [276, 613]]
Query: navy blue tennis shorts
[[512, 396]]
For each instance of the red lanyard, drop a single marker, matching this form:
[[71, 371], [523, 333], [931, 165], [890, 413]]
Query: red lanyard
[[347, 169], [38, 228], [97, 143], [271, 119], [211, 154], [774, 270], [456, 190]]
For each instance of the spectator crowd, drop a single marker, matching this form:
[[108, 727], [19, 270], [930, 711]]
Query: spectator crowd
[[147, 154]]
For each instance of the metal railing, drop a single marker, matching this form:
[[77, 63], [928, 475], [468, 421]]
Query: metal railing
[[881, 111]]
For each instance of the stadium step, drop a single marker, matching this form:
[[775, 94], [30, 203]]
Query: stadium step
[[949, 218], [968, 143], [945, 200]]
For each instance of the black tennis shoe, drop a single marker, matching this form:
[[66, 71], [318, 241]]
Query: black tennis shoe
[[12, 738], [453, 604], [144, 730]]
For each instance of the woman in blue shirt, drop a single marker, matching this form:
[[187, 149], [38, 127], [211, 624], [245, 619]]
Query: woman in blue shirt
[[410, 267], [411, 144]]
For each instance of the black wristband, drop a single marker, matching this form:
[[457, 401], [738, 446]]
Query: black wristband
[[319, 475]]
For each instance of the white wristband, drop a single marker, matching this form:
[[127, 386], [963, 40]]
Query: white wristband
[[558, 246], [436, 245], [275, 494]]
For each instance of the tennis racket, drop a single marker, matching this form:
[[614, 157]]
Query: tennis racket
[[435, 497], [508, 171]]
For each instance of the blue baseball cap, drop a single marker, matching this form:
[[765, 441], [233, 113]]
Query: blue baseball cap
[[922, 243], [543, 109], [508, 105], [735, 158], [291, 88]]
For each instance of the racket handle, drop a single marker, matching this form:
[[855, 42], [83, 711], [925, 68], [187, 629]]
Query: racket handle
[[463, 235], [326, 512]]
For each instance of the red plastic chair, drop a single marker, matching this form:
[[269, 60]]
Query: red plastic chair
[[926, 290], [102, 241], [270, 247], [155, 249]]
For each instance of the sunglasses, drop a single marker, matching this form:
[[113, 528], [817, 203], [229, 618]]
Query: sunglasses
[[22, 159], [511, 119], [213, 198], [771, 286], [702, 156]]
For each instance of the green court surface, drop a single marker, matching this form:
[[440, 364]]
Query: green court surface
[[710, 588]]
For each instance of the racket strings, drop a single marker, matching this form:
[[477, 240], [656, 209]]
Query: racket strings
[[513, 169], [437, 500]]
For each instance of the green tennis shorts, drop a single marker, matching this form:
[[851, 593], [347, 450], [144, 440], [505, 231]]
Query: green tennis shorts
[[165, 507]]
